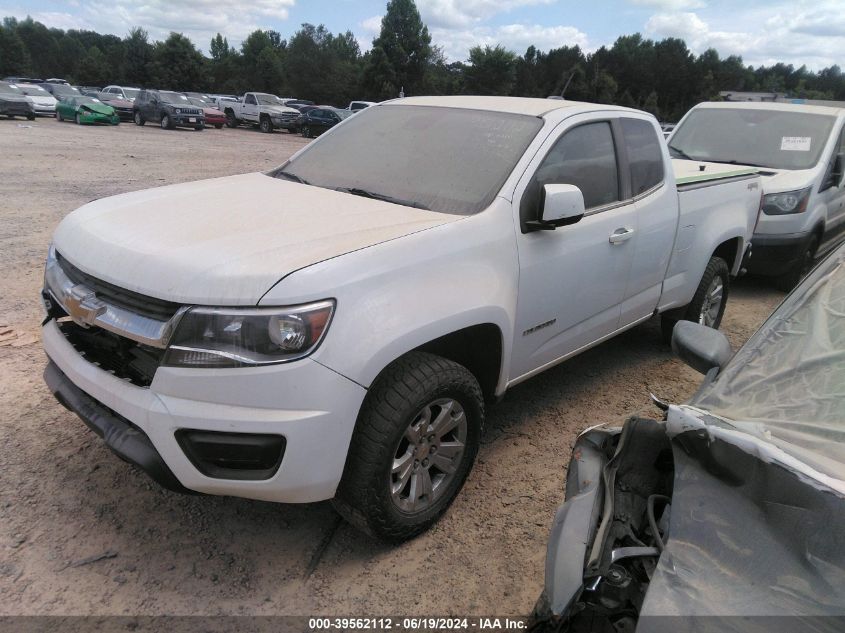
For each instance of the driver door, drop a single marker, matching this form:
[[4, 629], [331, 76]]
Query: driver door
[[573, 279], [250, 108]]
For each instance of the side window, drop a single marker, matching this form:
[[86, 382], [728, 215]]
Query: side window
[[644, 154], [250, 100], [585, 157]]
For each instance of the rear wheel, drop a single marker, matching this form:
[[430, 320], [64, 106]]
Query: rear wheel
[[218, 126], [30, 117], [59, 116], [414, 444], [139, 120], [708, 304], [306, 131], [788, 281], [78, 119], [231, 121]]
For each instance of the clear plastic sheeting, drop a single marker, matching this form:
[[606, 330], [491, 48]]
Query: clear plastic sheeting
[[787, 384]]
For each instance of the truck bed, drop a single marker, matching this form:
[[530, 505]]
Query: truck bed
[[689, 173]]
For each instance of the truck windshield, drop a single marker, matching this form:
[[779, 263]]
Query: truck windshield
[[451, 160], [270, 100], [778, 139]]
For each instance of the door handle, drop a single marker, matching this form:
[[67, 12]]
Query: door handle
[[621, 235]]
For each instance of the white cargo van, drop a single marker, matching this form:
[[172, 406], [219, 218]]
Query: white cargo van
[[799, 150]]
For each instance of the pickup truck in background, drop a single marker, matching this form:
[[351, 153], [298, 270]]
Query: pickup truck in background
[[799, 151], [266, 111], [334, 329]]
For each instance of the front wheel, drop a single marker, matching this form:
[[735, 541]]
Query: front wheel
[[414, 444], [305, 132], [59, 116], [266, 125], [30, 117], [708, 304], [165, 122], [788, 281], [78, 119], [218, 126]]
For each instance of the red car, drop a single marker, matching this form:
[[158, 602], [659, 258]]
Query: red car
[[123, 107], [213, 116]]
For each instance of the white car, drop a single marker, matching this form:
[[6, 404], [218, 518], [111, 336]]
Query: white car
[[800, 151], [334, 329], [354, 106], [43, 102], [121, 92]]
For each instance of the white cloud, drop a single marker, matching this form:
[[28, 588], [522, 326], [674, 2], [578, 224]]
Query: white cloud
[[159, 17], [671, 5], [793, 34], [456, 14], [516, 37], [368, 31]]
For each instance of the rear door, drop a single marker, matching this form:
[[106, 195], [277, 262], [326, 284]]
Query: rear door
[[656, 202], [573, 279]]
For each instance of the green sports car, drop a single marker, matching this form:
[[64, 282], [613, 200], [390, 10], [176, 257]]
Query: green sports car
[[86, 110]]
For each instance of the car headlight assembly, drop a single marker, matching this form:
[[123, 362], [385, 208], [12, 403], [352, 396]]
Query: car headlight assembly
[[251, 337], [787, 202], [178, 111]]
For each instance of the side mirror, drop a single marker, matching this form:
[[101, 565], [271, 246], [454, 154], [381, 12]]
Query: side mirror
[[700, 347], [560, 205]]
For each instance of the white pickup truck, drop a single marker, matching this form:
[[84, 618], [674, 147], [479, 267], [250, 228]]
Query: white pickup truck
[[332, 329], [267, 111]]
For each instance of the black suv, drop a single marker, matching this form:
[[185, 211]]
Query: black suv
[[168, 109]]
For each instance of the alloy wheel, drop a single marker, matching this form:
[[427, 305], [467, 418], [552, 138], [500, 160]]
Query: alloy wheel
[[712, 304], [428, 455]]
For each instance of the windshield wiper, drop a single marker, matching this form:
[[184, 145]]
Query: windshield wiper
[[290, 176], [681, 153], [380, 196], [736, 162]]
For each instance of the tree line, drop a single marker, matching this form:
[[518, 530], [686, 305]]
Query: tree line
[[663, 77]]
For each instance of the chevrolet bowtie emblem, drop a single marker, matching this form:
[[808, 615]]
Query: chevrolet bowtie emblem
[[82, 305]]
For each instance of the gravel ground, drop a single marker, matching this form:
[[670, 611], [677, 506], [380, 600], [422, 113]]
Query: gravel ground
[[84, 533]]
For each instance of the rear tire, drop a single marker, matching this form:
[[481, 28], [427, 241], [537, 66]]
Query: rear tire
[[218, 126], [788, 281], [708, 304], [414, 444], [139, 120], [59, 116], [78, 119], [231, 121]]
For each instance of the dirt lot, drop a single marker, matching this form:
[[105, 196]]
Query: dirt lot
[[65, 498]]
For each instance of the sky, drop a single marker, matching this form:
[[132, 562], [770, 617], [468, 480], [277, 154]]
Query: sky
[[761, 31]]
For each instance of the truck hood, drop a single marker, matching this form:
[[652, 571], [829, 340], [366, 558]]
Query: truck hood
[[225, 241], [278, 110]]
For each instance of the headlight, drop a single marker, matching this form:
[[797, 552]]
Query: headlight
[[178, 111], [787, 202], [231, 337]]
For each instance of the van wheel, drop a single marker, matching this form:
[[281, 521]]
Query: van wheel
[[414, 444], [708, 304], [788, 281]]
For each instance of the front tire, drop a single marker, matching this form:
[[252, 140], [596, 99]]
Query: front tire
[[165, 122], [788, 281], [59, 116], [414, 444], [78, 119], [218, 126], [708, 304], [266, 125]]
